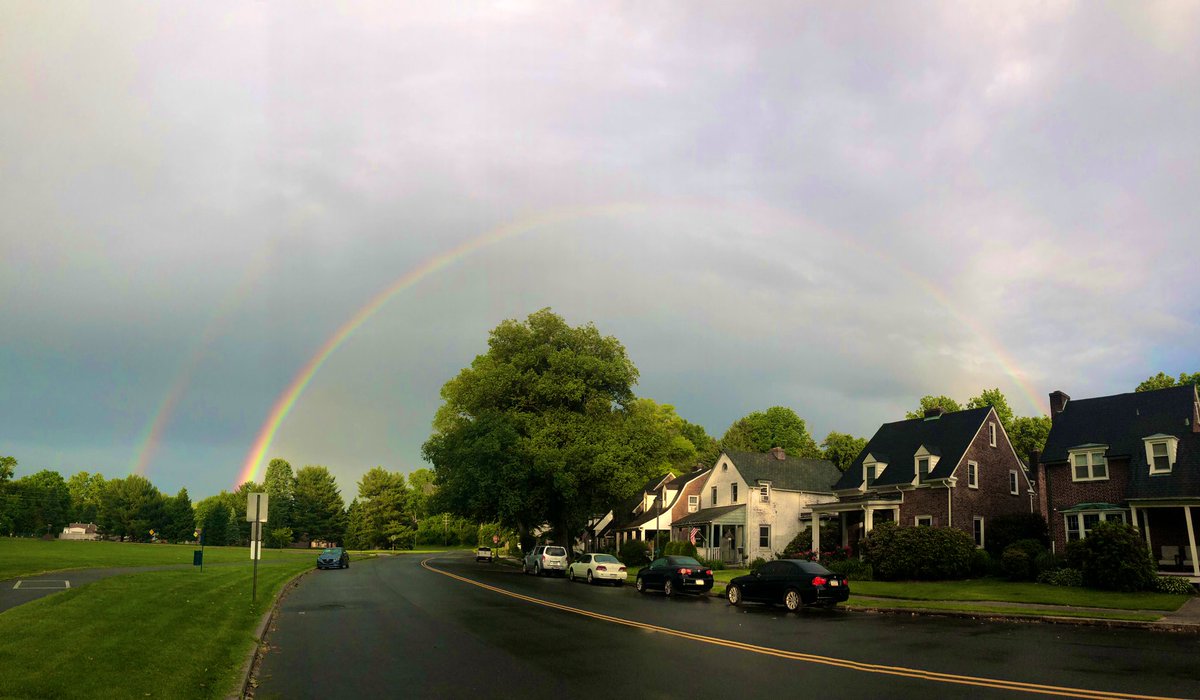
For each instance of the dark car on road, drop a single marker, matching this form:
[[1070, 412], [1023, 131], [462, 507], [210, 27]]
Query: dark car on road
[[333, 558], [674, 575], [793, 582]]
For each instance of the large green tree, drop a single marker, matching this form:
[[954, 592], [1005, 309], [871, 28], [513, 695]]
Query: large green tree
[[86, 493], [945, 403], [536, 429], [777, 426], [842, 448], [280, 487], [996, 399], [131, 507], [421, 486], [180, 521], [1029, 433], [47, 502], [319, 508], [382, 499], [708, 450], [1162, 380], [8, 466]]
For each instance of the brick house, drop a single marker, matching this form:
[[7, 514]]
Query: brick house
[[944, 470], [640, 516], [1133, 458], [754, 503]]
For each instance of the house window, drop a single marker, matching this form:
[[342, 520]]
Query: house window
[[693, 504], [1089, 465], [764, 536], [714, 496], [765, 494], [924, 521], [972, 475], [922, 470], [1080, 524], [1013, 485], [977, 529], [733, 492], [1162, 461], [869, 474], [992, 434]]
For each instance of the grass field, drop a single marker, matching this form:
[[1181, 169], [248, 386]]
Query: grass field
[[1005, 591], [1004, 610], [158, 634], [23, 556]]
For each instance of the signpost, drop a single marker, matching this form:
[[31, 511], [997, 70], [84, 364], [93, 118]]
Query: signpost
[[256, 515], [198, 555]]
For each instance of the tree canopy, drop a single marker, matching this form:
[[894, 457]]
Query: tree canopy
[[777, 426], [1162, 380], [842, 448], [945, 403], [544, 427]]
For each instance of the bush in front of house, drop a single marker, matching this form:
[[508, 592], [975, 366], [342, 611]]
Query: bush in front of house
[[981, 563], [635, 553], [758, 561], [852, 569], [1115, 557], [1064, 576], [714, 564], [919, 553], [1019, 561], [1174, 584], [681, 548], [1003, 530]]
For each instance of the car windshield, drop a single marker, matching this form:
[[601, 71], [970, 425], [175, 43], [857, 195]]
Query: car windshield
[[334, 550], [682, 561], [485, 549], [607, 559], [555, 551], [811, 567]]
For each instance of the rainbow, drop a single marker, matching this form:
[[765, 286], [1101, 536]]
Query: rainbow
[[252, 468]]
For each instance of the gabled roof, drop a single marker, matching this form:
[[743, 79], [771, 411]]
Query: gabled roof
[[789, 473], [708, 515], [1121, 422], [948, 435]]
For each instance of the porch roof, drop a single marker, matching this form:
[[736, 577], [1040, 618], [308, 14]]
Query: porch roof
[[721, 515], [1086, 507]]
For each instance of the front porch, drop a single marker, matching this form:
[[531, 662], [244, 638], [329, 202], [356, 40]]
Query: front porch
[[718, 533], [1170, 531], [856, 519]]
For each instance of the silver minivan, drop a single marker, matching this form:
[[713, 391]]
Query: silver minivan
[[546, 559]]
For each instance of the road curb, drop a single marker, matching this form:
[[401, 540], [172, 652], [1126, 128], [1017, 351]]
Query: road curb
[[254, 658], [1017, 617]]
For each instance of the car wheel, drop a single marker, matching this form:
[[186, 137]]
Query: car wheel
[[669, 588], [571, 575], [734, 594], [590, 579], [640, 585], [791, 600], [537, 569]]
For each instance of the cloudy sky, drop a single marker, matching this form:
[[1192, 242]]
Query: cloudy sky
[[833, 207]]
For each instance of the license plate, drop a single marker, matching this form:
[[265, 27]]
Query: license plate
[[699, 582], [835, 583]]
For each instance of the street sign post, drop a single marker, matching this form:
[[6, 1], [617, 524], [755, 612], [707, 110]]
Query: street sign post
[[256, 513]]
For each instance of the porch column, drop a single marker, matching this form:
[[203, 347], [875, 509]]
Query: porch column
[[1146, 523], [842, 527], [816, 535], [868, 521], [1187, 516]]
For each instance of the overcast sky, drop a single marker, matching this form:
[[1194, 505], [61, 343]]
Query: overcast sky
[[833, 207]]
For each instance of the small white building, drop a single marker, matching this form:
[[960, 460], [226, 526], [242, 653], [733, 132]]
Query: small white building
[[80, 531], [753, 504]]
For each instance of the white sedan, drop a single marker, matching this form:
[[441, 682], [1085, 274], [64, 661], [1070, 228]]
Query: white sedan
[[597, 567]]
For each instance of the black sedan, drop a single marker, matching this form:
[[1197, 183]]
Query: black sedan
[[675, 574], [793, 582], [333, 558]]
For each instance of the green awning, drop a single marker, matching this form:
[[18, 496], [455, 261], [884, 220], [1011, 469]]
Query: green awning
[[1089, 507]]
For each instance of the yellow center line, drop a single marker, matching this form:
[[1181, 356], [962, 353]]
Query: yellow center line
[[901, 671]]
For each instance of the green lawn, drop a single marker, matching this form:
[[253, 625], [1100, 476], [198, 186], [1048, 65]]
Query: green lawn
[[164, 634], [22, 556], [1009, 592], [1004, 610]]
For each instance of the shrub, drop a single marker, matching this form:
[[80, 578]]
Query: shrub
[[1003, 530], [1048, 561], [1116, 558], [854, 569], [683, 548], [635, 553], [758, 561], [1064, 576], [1075, 553], [921, 553], [714, 564], [981, 563], [1019, 561], [1174, 584]]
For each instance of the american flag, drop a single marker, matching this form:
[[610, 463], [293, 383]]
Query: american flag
[[692, 535]]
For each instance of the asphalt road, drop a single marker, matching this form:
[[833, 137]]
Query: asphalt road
[[394, 628]]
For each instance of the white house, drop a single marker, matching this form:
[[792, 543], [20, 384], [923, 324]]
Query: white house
[[80, 531], [753, 504]]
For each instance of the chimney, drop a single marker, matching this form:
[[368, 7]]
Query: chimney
[[778, 453], [1058, 403], [935, 412]]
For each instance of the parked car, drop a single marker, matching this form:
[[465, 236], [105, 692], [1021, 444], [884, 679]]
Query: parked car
[[333, 558], [598, 567], [484, 554], [546, 559], [674, 575], [793, 582]]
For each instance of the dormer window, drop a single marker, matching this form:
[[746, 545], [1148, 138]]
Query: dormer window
[[1160, 453], [872, 470], [923, 463], [922, 469], [1088, 463], [869, 474]]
